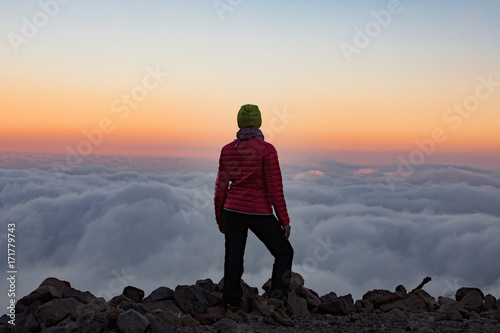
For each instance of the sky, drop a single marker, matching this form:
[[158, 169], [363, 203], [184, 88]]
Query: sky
[[150, 222], [356, 81], [385, 116]]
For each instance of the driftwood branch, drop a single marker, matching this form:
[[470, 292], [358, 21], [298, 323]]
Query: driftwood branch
[[424, 281]]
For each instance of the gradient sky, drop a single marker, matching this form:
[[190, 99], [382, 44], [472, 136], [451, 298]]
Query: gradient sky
[[70, 75]]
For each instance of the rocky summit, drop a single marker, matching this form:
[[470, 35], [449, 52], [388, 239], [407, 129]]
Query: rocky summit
[[56, 307]]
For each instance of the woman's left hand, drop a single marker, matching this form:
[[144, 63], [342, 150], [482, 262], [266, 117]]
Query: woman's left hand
[[286, 231]]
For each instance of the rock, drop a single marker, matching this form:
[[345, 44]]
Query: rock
[[394, 315], [452, 315], [191, 299], [56, 283], [449, 308], [364, 306], [208, 319], [206, 284], [138, 307], [473, 301], [215, 310], [132, 322], [98, 304], [189, 321], [159, 326], [160, 294], [227, 325], [51, 313], [411, 302], [249, 293], [94, 316], [490, 302], [80, 296], [135, 294], [42, 295], [296, 283], [328, 297], [310, 296], [172, 318], [462, 292], [161, 305], [379, 297], [430, 303], [297, 306], [117, 300], [349, 302], [32, 323], [335, 307], [214, 298]]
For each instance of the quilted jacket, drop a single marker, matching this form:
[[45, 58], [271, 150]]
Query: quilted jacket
[[249, 180]]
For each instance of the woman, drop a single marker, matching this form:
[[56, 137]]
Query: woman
[[248, 187]]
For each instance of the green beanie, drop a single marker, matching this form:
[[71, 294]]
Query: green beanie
[[249, 116]]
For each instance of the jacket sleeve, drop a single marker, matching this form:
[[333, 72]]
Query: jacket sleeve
[[274, 184], [221, 187]]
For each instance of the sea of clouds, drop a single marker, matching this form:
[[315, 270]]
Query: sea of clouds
[[149, 222]]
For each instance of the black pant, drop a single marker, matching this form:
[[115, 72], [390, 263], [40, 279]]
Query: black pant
[[268, 230]]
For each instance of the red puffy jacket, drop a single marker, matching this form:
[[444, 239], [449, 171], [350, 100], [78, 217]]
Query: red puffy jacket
[[249, 180]]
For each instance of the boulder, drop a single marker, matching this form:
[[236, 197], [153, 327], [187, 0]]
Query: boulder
[[189, 321], [411, 302], [379, 297], [329, 297], [191, 299], [214, 298], [135, 294], [81, 296], [335, 307], [227, 325], [160, 326], [138, 307], [490, 302], [93, 317], [296, 283], [297, 306], [42, 295], [208, 318], [172, 318], [310, 296], [161, 305], [449, 308], [473, 301], [349, 302], [249, 294], [462, 292], [364, 306], [60, 285], [117, 300], [160, 294], [394, 315], [51, 313], [430, 303], [131, 321], [206, 284]]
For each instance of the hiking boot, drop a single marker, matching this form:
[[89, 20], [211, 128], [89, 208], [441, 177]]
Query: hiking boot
[[236, 313], [275, 308]]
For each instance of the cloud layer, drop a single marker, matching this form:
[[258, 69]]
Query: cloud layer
[[152, 224]]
